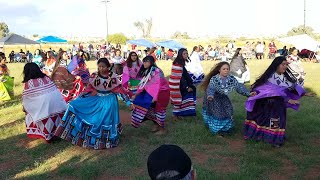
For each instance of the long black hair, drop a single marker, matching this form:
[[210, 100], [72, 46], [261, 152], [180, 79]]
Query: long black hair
[[143, 71], [129, 59], [272, 69], [179, 59], [58, 61], [194, 49], [32, 71], [236, 54], [214, 71]]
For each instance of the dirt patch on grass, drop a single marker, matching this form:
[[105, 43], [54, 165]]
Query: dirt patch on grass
[[313, 173], [106, 176], [212, 147], [227, 164], [125, 117], [29, 143], [200, 157], [13, 162], [286, 172], [236, 145], [13, 123]]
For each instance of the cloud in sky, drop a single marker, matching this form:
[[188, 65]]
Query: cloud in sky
[[198, 18]]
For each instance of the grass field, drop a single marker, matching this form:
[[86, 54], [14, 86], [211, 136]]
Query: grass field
[[213, 157]]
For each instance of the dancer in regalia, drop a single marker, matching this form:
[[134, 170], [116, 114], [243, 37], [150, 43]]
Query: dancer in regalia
[[217, 108], [69, 85], [130, 72], [182, 90], [42, 102], [92, 120], [277, 89], [152, 97]]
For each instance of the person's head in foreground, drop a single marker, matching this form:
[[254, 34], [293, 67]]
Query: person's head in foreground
[[170, 162], [32, 71]]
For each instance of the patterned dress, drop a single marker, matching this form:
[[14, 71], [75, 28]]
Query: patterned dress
[[296, 68], [129, 77], [184, 102], [44, 107], [266, 112], [78, 67], [217, 114], [153, 86], [69, 86], [93, 121]]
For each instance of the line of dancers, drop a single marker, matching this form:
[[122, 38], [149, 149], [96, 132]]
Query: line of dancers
[[83, 109]]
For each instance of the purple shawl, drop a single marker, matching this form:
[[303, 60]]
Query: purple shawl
[[272, 90]]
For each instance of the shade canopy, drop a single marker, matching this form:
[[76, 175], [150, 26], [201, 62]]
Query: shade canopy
[[142, 42], [171, 44], [302, 41], [51, 39], [15, 39]]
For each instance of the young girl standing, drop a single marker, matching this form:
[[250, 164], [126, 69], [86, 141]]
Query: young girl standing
[[182, 89], [217, 108], [130, 71]]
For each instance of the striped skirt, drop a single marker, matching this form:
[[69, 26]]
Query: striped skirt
[[187, 106], [145, 110]]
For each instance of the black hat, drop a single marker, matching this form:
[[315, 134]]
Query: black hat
[[168, 158]]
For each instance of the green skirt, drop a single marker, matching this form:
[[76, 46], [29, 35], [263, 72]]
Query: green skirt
[[6, 87]]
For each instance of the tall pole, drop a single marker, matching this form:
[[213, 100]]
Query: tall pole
[[304, 17], [106, 4]]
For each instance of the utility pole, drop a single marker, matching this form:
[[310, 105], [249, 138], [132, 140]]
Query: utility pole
[[304, 17], [106, 4]]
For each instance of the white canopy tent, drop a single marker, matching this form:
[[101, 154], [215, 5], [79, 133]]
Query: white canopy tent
[[302, 41]]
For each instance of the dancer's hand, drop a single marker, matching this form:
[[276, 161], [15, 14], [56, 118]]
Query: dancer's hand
[[94, 92], [309, 94], [210, 98], [189, 89], [294, 102], [253, 94], [131, 107]]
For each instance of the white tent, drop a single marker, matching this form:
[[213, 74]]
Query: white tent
[[302, 41]]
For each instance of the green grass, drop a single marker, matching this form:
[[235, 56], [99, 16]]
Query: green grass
[[213, 157]]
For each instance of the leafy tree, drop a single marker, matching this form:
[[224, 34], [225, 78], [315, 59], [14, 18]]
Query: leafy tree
[[4, 29], [35, 35], [117, 38], [145, 28], [179, 35], [301, 30]]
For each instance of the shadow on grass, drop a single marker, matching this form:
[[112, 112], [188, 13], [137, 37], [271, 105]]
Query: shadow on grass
[[12, 123], [19, 153], [15, 100]]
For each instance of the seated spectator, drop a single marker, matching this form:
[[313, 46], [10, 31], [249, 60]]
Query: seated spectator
[[170, 162]]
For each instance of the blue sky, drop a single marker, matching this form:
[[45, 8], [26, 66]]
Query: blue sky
[[198, 18]]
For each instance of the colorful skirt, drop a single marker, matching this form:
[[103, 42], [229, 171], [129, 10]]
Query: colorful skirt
[[267, 121], [217, 114], [92, 121], [6, 89], [133, 85], [69, 95], [43, 129], [146, 110], [187, 106], [216, 125], [196, 80]]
